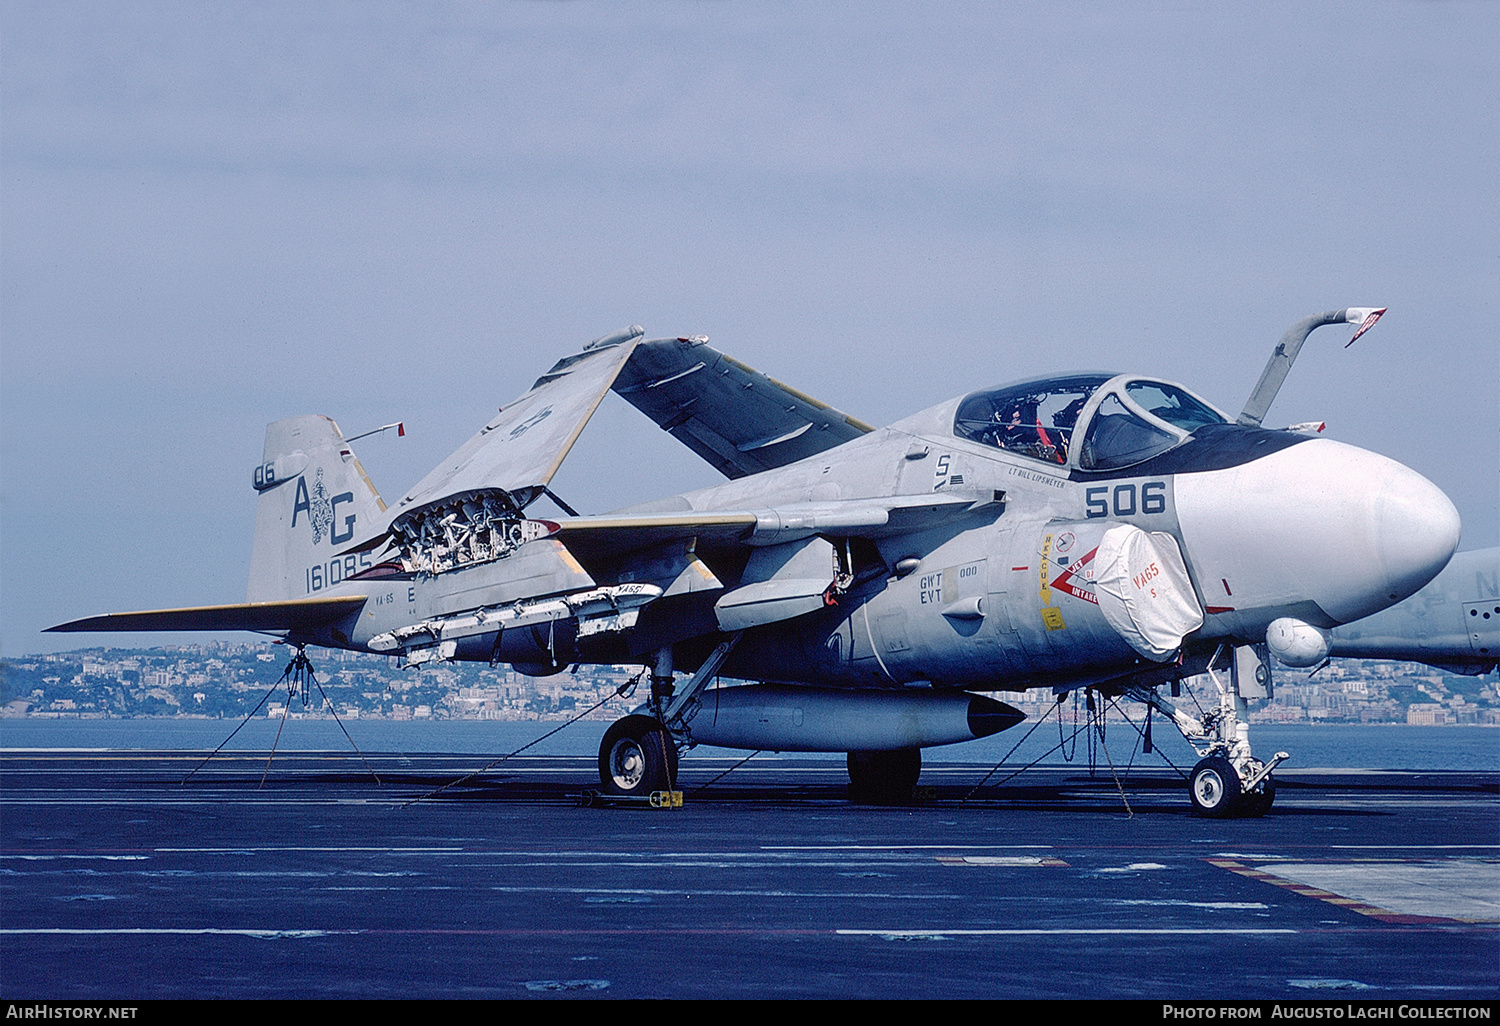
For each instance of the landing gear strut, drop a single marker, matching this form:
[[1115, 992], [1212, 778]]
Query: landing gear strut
[[638, 755]]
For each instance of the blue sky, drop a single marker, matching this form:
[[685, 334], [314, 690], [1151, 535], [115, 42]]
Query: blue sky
[[217, 215]]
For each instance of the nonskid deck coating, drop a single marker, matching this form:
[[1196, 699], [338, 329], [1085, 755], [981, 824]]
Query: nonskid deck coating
[[119, 881]]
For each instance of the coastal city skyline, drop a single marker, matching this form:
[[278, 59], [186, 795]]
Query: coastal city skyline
[[226, 679]]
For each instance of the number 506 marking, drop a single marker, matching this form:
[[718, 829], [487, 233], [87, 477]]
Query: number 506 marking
[[1121, 499]]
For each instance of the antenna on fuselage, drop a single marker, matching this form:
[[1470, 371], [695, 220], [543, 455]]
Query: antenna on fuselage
[[1286, 352]]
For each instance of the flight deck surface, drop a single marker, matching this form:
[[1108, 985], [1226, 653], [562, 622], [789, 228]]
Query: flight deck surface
[[120, 882]]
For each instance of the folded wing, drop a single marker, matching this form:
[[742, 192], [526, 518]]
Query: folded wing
[[520, 449], [738, 419]]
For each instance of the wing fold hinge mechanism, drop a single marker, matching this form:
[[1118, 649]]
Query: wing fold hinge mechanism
[[463, 531]]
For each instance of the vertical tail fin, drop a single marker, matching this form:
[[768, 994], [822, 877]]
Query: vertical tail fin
[[315, 499]]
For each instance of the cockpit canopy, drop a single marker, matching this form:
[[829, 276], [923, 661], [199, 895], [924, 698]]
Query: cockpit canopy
[[1121, 420]]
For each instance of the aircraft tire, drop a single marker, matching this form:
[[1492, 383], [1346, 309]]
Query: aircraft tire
[[637, 757], [882, 777], [1214, 788]]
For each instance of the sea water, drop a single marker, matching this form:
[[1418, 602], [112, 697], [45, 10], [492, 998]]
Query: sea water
[[1333, 746]]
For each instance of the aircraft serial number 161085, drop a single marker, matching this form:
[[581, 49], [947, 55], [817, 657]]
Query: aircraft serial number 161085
[[1090, 531]]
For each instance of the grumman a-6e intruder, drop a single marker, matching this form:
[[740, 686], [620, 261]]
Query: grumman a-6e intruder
[[1110, 532]]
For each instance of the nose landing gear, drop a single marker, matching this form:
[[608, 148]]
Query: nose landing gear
[[1228, 781]]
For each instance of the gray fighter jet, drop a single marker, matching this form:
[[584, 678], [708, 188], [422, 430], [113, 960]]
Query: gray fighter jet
[[1100, 531]]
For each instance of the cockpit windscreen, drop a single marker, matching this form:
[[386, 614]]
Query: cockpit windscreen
[[1172, 405], [1118, 436]]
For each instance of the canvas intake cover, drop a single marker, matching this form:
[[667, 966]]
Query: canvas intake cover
[[1144, 590]]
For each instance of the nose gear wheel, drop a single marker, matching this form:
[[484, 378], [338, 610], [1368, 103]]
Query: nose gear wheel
[[1214, 787]]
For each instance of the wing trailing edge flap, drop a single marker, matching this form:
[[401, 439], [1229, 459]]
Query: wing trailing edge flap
[[294, 614], [738, 419]]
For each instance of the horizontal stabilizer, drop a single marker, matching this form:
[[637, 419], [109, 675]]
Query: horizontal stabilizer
[[736, 418], [294, 614]]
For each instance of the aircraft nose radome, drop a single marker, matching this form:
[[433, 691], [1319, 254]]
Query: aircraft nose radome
[[1419, 530], [1320, 522]]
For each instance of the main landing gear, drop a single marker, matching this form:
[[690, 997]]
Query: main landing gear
[[637, 757]]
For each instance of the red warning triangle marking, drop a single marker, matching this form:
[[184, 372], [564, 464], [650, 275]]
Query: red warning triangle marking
[[1064, 580]]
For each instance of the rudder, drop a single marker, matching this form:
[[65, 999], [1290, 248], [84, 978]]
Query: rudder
[[314, 500]]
